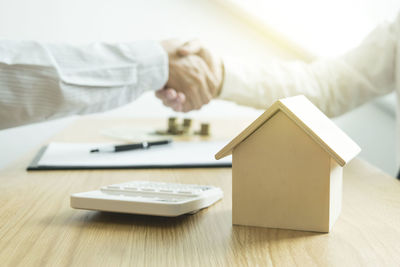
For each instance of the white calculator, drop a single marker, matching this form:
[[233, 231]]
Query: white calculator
[[149, 198]]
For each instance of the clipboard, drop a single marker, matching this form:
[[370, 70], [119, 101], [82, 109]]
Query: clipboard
[[77, 156]]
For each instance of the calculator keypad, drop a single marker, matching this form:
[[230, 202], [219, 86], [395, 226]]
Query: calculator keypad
[[156, 191], [148, 198]]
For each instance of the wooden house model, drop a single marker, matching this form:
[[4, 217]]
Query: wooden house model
[[287, 168]]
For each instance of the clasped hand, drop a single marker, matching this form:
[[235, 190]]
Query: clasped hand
[[195, 76]]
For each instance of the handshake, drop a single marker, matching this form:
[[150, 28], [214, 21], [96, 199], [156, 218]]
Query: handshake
[[195, 76]]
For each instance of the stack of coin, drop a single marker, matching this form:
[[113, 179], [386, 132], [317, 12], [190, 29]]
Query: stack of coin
[[172, 126], [187, 123], [204, 129], [175, 128]]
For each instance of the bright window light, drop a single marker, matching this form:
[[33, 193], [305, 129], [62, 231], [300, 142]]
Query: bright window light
[[325, 28]]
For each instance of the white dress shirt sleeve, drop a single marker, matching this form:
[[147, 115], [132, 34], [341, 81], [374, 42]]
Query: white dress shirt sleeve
[[334, 85], [40, 81]]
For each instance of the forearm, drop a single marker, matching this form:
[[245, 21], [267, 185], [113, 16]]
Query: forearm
[[40, 81], [331, 85]]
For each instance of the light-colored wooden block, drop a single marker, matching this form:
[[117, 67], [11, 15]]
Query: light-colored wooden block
[[287, 168]]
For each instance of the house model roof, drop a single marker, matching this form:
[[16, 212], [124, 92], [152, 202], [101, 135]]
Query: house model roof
[[309, 118]]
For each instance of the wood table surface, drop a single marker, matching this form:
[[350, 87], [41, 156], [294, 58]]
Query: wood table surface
[[38, 227]]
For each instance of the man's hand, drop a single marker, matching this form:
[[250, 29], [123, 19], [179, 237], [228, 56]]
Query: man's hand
[[195, 76]]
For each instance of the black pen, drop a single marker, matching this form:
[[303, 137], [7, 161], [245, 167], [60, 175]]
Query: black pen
[[119, 148]]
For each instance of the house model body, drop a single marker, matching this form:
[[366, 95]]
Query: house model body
[[287, 168]]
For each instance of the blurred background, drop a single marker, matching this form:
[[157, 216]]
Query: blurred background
[[252, 31]]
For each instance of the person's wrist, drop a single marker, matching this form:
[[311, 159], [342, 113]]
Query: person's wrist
[[221, 84]]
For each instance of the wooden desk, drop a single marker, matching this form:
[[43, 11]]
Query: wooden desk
[[38, 227]]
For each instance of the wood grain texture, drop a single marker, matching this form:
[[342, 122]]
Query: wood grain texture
[[38, 228], [281, 179]]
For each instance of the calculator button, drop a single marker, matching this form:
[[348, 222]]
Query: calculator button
[[185, 192], [166, 191], [129, 188], [148, 189]]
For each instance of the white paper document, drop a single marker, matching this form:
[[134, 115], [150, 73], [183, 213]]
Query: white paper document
[[177, 154]]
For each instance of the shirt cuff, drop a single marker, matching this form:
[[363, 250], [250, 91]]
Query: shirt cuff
[[239, 86], [229, 88], [152, 64]]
